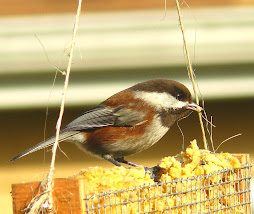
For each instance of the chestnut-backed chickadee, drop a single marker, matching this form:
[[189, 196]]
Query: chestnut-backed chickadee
[[128, 122]]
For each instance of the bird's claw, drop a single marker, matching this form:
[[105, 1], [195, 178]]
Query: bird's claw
[[152, 171]]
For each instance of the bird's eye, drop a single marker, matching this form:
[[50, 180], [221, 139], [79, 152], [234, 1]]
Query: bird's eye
[[179, 96]]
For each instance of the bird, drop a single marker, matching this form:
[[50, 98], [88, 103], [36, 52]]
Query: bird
[[128, 122]]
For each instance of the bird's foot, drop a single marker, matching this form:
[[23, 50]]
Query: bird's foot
[[122, 160], [153, 172]]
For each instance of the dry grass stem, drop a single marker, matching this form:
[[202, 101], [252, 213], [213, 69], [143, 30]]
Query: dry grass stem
[[45, 52], [191, 73], [224, 141], [45, 199], [211, 133]]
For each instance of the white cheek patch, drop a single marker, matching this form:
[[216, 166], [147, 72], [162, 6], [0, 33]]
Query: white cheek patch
[[160, 100]]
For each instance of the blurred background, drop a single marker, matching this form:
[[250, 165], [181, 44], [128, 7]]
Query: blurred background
[[119, 43]]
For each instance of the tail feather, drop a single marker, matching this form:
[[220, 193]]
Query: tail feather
[[44, 144]]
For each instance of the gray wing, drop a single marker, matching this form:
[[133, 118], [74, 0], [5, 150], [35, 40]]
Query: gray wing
[[96, 117], [101, 116]]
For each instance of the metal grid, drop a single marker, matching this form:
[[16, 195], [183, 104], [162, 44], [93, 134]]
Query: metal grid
[[225, 191]]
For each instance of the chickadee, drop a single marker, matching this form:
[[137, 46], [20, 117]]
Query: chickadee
[[128, 122]]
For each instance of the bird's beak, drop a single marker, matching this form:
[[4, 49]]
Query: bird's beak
[[194, 107]]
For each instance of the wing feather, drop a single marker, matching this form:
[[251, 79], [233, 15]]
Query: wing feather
[[101, 116], [96, 117]]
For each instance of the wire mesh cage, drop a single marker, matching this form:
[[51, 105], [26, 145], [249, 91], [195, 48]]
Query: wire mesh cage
[[225, 191], [133, 191]]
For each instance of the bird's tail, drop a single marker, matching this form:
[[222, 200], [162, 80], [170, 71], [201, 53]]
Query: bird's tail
[[44, 144]]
